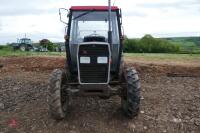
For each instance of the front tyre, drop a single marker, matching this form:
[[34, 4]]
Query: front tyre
[[57, 97], [22, 48], [131, 93]]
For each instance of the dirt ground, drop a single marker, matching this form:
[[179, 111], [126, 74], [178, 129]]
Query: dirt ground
[[170, 100]]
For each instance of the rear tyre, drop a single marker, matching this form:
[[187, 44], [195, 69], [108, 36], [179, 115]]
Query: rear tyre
[[58, 99], [131, 93]]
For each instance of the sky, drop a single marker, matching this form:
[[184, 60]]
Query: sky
[[39, 19]]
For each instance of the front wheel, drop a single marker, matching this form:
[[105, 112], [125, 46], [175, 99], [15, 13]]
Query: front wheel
[[131, 93], [22, 48], [58, 99]]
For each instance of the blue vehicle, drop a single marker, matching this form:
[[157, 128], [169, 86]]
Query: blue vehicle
[[23, 44]]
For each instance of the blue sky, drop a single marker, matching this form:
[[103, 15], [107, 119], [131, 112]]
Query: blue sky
[[40, 19]]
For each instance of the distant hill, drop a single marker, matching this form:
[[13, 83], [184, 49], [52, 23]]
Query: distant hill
[[187, 44], [185, 41]]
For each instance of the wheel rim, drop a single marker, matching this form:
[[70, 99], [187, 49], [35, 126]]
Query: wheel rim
[[22, 48]]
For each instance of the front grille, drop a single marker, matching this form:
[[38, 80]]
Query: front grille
[[93, 72]]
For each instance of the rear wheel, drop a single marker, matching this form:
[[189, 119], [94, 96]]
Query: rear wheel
[[58, 99], [131, 93]]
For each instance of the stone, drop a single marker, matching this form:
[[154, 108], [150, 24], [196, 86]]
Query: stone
[[197, 122], [187, 117], [142, 112], [132, 127], [176, 120], [142, 98]]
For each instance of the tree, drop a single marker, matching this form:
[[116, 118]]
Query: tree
[[149, 44], [45, 43]]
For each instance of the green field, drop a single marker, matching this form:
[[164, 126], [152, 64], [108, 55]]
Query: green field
[[146, 56], [187, 44], [163, 57], [5, 53]]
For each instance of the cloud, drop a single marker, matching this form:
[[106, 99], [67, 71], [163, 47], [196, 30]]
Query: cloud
[[0, 25], [181, 4], [40, 19], [134, 14], [23, 3], [27, 11], [24, 7]]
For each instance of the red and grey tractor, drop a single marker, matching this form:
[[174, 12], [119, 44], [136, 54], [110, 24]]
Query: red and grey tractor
[[94, 64]]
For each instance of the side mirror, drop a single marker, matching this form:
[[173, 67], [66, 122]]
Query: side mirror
[[63, 19]]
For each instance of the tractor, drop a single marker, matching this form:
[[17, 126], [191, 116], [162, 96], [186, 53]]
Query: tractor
[[94, 65], [23, 44]]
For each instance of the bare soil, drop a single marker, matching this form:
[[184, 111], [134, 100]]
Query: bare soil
[[168, 103]]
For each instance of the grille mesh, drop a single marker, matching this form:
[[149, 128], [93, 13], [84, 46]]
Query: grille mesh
[[93, 72]]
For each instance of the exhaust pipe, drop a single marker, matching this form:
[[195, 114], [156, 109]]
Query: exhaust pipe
[[109, 23]]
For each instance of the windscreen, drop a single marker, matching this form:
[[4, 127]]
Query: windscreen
[[94, 23], [27, 41]]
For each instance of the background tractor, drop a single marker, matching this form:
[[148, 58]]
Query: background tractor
[[94, 65], [23, 44]]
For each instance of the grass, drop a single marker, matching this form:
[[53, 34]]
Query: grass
[[157, 57], [145, 56], [5, 53]]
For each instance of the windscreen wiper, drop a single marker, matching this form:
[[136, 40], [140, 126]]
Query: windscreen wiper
[[83, 14]]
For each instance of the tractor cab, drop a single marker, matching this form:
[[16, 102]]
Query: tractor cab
[[92, 22], [89, 25], [25, 41]]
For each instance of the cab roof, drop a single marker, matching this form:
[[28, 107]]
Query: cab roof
[[98, 8]]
